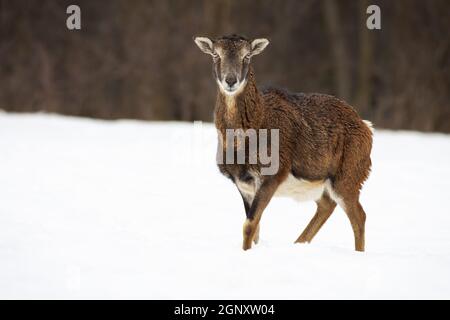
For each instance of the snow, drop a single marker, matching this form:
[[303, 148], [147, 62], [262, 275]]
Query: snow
[[132, 209]]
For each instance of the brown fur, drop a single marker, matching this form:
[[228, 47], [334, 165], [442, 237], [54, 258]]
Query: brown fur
[[322, 138]]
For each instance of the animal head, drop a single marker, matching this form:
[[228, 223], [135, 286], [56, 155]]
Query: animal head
[[231, 59]]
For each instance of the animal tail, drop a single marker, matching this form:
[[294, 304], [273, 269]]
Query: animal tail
[[369, 125]]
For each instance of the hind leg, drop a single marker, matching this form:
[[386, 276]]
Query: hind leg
[[346, 194], [357, 217], [347, 184], [325, 207]]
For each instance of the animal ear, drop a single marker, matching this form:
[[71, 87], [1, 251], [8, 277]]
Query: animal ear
[[258, 45], [205, 44]]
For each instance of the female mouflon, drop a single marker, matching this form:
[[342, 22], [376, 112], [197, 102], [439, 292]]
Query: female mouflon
[[324, 146]]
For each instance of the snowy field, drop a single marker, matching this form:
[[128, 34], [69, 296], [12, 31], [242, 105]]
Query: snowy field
[[132, 209]]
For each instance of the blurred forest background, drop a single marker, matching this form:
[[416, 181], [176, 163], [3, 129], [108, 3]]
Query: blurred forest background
[[136, 59]]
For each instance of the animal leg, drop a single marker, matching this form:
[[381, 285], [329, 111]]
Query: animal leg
[[248, 200], [325, 207], [260, 202], [357, 217]]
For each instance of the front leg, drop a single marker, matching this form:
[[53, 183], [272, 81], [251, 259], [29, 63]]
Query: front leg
[[248, 200], [260, 202]]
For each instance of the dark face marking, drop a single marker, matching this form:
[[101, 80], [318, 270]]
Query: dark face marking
[[231, 59]]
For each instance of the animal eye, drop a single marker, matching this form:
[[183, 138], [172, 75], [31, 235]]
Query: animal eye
[[247, 56], [215, 56]]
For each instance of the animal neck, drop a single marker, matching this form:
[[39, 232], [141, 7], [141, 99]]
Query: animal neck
[[242, 110]]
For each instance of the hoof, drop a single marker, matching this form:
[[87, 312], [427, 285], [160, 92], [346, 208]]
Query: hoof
[[302, 240], [256, 237]]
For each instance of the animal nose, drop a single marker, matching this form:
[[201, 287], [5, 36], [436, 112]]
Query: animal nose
[[230, 80]]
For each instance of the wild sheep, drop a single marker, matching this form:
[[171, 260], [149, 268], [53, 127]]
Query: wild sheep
[[324, 146]]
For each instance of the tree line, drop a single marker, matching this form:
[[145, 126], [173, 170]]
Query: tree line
[[136, 59]]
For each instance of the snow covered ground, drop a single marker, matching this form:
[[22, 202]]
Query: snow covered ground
[[131, 209]]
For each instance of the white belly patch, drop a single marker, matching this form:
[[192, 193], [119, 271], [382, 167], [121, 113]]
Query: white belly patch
[[300, 190]]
